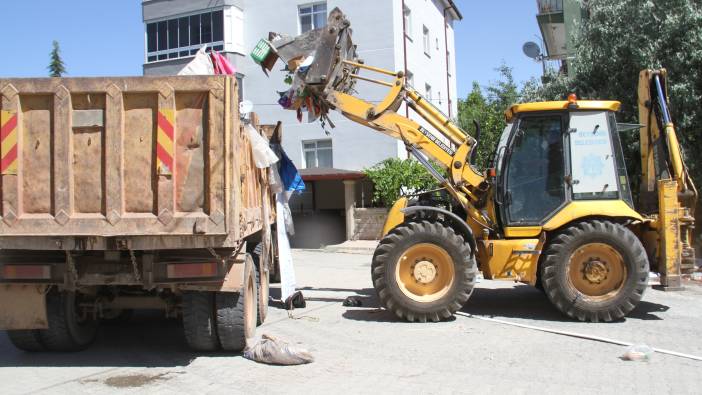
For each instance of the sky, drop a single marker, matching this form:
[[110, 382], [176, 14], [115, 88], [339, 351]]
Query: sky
[[106, 38]]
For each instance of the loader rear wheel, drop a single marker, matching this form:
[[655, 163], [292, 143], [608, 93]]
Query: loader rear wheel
[[199, 322], [261, 262], [237, 312], [423, 271], [595, 271], [69, 329], [26, 340]]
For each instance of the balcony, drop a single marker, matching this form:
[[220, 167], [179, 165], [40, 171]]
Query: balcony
[[549, 6]]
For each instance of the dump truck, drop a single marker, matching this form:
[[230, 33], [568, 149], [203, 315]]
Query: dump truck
[[554, 210], [121, 194]]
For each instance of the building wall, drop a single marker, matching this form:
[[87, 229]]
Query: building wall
[[377, 27]]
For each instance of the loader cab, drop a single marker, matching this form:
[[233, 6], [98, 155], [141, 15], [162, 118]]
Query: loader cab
[[554, 153]]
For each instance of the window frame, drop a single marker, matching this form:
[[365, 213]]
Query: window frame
[[316, 150], [312, 14], [407, 20], [503, 183], [182, 52], [426, 40]]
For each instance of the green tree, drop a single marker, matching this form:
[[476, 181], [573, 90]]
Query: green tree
[[56, 66], [488, 110], [395, 177], [617, 40]]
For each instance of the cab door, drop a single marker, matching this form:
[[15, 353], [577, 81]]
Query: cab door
[[534, 182]]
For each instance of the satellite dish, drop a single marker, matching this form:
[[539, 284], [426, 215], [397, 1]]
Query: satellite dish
[[245, 107], [532, 50]]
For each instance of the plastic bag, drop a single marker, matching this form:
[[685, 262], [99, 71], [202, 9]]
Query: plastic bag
[[262, 152], [200, 65], [638, 352], [277, 352]]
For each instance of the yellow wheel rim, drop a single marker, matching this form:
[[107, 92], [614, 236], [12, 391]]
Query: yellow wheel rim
[[597, 271], [425, 272]]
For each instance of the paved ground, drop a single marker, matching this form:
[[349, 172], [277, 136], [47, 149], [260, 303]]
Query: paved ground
[[364, 350]]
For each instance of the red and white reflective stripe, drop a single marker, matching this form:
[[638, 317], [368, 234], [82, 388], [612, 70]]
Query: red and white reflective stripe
[[26, 272], [165, 142], [8, 142], [192, 270]]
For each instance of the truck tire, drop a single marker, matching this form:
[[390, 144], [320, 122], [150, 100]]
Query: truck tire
[[237, 312], [67, 330], [26, 340], [595, 271], [199, 322], [423, 271], [262, 281]]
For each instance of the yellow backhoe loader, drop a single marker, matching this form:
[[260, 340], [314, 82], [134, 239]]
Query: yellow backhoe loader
[[555, 209]]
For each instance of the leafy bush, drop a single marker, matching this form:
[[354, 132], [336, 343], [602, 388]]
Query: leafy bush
[[393, 178]]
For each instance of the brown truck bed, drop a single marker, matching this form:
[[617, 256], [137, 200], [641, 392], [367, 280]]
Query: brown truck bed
[[155, 162]]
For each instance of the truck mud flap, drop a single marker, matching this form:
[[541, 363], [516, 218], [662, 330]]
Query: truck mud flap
[[23, 306]]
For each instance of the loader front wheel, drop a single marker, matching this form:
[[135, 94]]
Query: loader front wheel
[[595, 271], [423, 271]]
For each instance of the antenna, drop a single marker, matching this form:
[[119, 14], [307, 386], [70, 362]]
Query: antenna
[[532, 50]]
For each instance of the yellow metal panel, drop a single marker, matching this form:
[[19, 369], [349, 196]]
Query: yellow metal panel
[[596, 105], [395, 216], [599, 208], [669, 233], [510, 259], [522, 231]]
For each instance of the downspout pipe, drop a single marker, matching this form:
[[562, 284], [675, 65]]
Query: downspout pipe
[[448, 60], [404, 45]]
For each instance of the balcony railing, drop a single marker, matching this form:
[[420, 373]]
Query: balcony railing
[[549, 6]]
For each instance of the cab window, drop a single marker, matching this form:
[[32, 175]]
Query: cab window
[[535, 170]]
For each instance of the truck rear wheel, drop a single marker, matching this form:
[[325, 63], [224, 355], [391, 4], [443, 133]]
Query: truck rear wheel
[[26, 340], [423, 271], [261, 262], [237, 312], [68, 329], [199, 322], [595, 271]]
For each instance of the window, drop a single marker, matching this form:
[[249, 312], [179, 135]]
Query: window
[[448, 63], [317, 153], [181, 37], [410, 78], [407, 14], [427, 41], [427, 91], [312, 16], [535, 170]]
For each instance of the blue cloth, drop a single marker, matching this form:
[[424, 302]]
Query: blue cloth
[[292, 180]]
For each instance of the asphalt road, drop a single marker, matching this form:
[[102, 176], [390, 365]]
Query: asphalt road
[[366, 350]]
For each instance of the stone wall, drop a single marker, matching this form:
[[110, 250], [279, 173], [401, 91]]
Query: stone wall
[[369, 223]]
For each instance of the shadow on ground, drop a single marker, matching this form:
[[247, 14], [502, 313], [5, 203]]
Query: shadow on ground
[[521, 301], [146, 340]]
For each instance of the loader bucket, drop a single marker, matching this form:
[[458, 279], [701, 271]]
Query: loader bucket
[[316, 57]]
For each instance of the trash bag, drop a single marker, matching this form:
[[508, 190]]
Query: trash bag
[[277, 352], [200, 65], [262, 152], [638, 352]]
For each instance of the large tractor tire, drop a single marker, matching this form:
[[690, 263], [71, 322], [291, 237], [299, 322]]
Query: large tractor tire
[[237, 312], [68, 329], [261, 263], [423, 271], [26, 340], [199, 322], [595, 271]]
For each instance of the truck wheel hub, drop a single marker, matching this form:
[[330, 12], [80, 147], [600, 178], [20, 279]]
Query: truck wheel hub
[[424, 272], [595, 271]]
